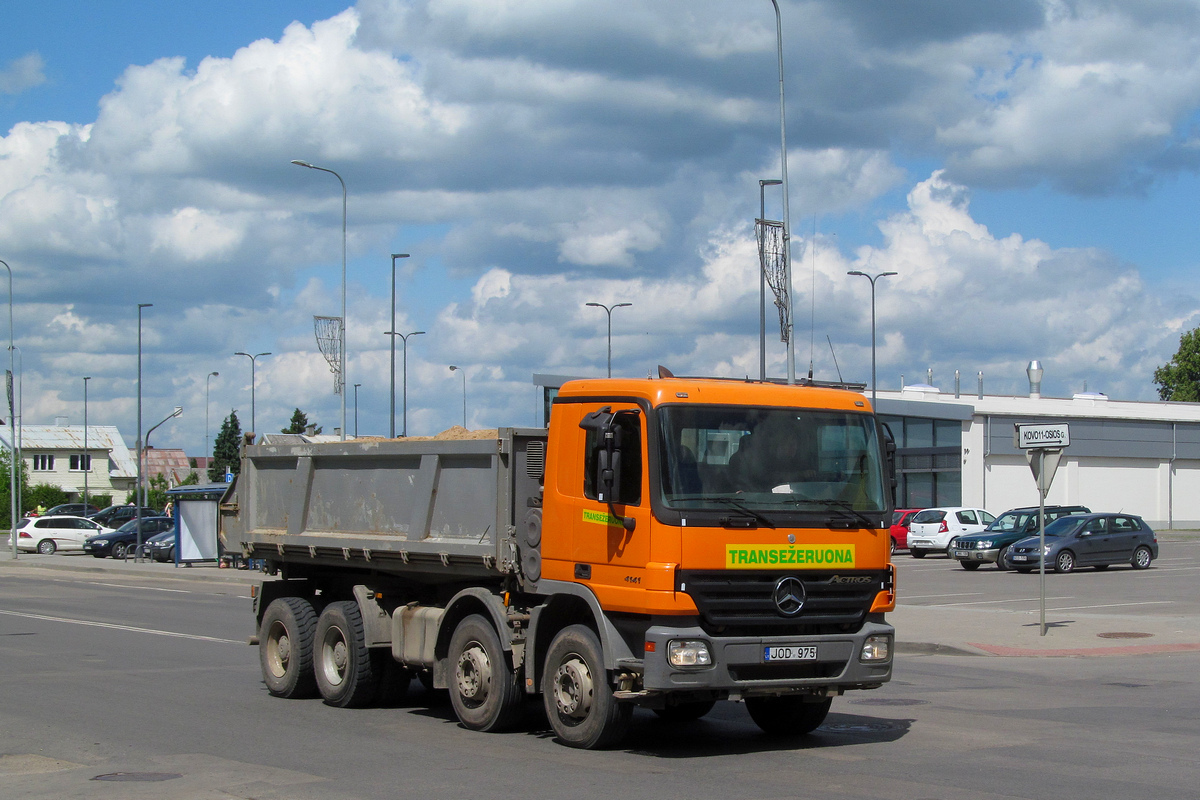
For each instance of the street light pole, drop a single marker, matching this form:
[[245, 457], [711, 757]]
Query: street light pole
[[872, 279], [137, 553], [608, 311], [86, 462], [762, 282], [404, 397], [342, 343], [356, 409], [392, 415], [462, 372], [787, 223], [139, 495], [253, 425], [207, 440], [12, 416]]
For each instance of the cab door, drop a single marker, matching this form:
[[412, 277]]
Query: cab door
[[611, 541]]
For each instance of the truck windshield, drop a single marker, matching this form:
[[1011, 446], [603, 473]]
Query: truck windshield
[[769, 459]]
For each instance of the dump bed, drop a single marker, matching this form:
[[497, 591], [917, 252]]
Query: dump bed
[[431, 507]]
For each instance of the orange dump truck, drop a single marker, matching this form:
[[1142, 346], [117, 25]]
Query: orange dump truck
[[664, 543]]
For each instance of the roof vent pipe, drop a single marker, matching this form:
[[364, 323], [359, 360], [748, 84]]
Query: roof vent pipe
[[956, 386], [981, 384], [1034, 371]]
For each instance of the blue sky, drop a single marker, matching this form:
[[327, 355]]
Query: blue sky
[[1029, 168]]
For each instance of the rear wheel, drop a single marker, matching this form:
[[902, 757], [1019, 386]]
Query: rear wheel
[[285, 647], [790, 715], [484, 690], [1065, 562], [47, 547], [575, 690], [893, 545], [970, 565], [1142, 558], [347, 675], [915, 553]]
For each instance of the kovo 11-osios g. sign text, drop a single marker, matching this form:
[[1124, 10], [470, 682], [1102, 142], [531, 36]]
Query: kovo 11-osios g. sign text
[[1042, 435]]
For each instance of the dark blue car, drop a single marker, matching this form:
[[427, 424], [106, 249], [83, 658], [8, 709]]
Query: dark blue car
[[1088, 540]]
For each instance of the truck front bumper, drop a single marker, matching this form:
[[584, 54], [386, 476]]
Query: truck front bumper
[[740, 666]]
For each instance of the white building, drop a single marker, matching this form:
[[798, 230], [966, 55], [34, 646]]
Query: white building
[[1138, 457], [54, 454]]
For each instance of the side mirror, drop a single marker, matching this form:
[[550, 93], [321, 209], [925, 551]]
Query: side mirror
[[608, 461]]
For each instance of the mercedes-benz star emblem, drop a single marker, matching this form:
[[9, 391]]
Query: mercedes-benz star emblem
[[789, 596]]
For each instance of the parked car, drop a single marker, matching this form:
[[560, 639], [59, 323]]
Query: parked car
[[160, 546], [48, 535], [1089, 540], [901, 517], [992, 546], [73, 509], [125, 538], [116, 516], [930, 530]]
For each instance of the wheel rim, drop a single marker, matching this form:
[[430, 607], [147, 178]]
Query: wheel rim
[[573, 688], [1065, 562], [118, 551], [473, 675], [46, 548], [279, 649], [335, 656], [1143, 557]]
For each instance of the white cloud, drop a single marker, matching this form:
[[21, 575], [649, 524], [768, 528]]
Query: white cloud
[[22, 73]]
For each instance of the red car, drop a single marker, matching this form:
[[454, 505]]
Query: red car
[[899, 530]]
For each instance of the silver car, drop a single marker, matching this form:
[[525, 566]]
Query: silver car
[[1089, 540]]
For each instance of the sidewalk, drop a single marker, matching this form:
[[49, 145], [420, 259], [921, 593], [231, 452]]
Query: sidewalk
[[920, 630]]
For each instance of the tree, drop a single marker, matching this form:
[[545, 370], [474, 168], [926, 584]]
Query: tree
[[299, 423], [45, 495], [1179, 378], [6, 484], [226, 449]]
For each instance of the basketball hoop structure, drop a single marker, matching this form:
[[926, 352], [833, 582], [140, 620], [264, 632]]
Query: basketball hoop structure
[[329, 341], [771, 260]]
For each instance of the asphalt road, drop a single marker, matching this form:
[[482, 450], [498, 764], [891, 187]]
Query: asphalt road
[[138, 676]]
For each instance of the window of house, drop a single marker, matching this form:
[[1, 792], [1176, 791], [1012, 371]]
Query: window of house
[[43, 463], [81, 463]]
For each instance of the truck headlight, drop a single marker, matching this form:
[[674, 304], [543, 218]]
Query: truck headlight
[[688, 653], [877, 647]]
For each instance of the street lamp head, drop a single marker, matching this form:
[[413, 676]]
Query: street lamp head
[[453, 368], [396, 255], [178, 410], [857, 272], [300, 163], [595, 305], [622, 305], [215, 374], [417, 333], [885, 274], [770, 182]]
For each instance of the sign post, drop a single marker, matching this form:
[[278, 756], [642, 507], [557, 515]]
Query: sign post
[[1043, 445]]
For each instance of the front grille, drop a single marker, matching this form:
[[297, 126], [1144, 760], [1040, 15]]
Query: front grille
[[786, 672], [743, 603]]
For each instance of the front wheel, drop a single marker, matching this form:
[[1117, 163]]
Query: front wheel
[[285, 647], [1142, 558], [1024, 570], [790, 715], [575, 690], [1002, 562], [970, 565], [47, 547], [119, 550], [1065, 562], [484, 691], [347, 675]]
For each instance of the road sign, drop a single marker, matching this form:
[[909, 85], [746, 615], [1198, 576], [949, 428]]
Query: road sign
[[1043, 435], [1043, 465]]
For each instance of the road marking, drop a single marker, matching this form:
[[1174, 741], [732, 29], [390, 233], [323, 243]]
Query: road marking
[[1010, 600], [131, 586], [1112, 605], [952, 594], [131, 628]]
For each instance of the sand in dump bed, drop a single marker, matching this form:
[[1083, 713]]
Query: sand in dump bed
[[457, 432]]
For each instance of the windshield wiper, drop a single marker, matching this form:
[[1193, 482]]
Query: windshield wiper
[[848, 511], [744, 509]]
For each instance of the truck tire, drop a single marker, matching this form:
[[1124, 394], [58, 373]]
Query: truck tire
[[789, 715], [347, 674], [575, 690], [483, 688], [285, 648]]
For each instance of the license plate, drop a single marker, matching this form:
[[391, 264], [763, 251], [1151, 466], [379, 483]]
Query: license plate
[[790, 653], [962, 554], [1018, 558]]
